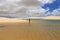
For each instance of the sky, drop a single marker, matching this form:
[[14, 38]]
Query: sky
[[29, 8]]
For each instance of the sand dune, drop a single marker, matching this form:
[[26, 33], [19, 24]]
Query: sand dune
[[12, 20], [52, 18]]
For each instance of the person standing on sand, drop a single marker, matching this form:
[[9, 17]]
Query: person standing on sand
[[29, 20]]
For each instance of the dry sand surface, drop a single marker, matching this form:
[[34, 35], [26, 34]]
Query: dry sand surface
[[26, 31], [52, 17], [2, 19]]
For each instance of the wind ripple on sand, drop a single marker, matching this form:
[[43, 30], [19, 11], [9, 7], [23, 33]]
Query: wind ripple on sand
[[24, 31]]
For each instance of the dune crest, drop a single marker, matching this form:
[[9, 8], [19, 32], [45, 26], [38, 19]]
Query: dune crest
[[11, 20], [52, 18]]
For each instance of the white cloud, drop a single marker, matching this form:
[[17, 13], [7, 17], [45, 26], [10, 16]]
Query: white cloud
[[47, 1], [56, 12], [22, 8], [9, 1]]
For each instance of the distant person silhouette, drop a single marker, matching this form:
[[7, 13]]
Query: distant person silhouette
[[29, 20]]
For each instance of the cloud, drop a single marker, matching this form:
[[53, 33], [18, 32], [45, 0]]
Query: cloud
[[46, 1], [8, 1], [22, 8], [30, 3], [56, 12], [18, 10]]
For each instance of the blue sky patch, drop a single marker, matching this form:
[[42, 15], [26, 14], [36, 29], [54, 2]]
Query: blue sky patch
[[52, 6]]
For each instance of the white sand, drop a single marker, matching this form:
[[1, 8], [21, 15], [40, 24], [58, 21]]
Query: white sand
[[12, 20], [52, 18]]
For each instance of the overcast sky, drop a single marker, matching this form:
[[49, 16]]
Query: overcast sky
[[29, 8]]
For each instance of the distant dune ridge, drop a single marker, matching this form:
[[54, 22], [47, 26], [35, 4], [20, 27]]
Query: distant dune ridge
[[2, 19], [52, 18]]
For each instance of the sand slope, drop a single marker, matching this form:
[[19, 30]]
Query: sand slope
[[11, 20], [52, 18]]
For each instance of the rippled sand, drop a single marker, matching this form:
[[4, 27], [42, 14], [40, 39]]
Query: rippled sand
[[26, 31]]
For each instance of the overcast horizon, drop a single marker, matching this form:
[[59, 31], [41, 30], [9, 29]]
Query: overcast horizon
[[29, 8]]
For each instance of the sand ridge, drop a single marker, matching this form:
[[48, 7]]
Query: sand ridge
[[2, 19], [52, 18]]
